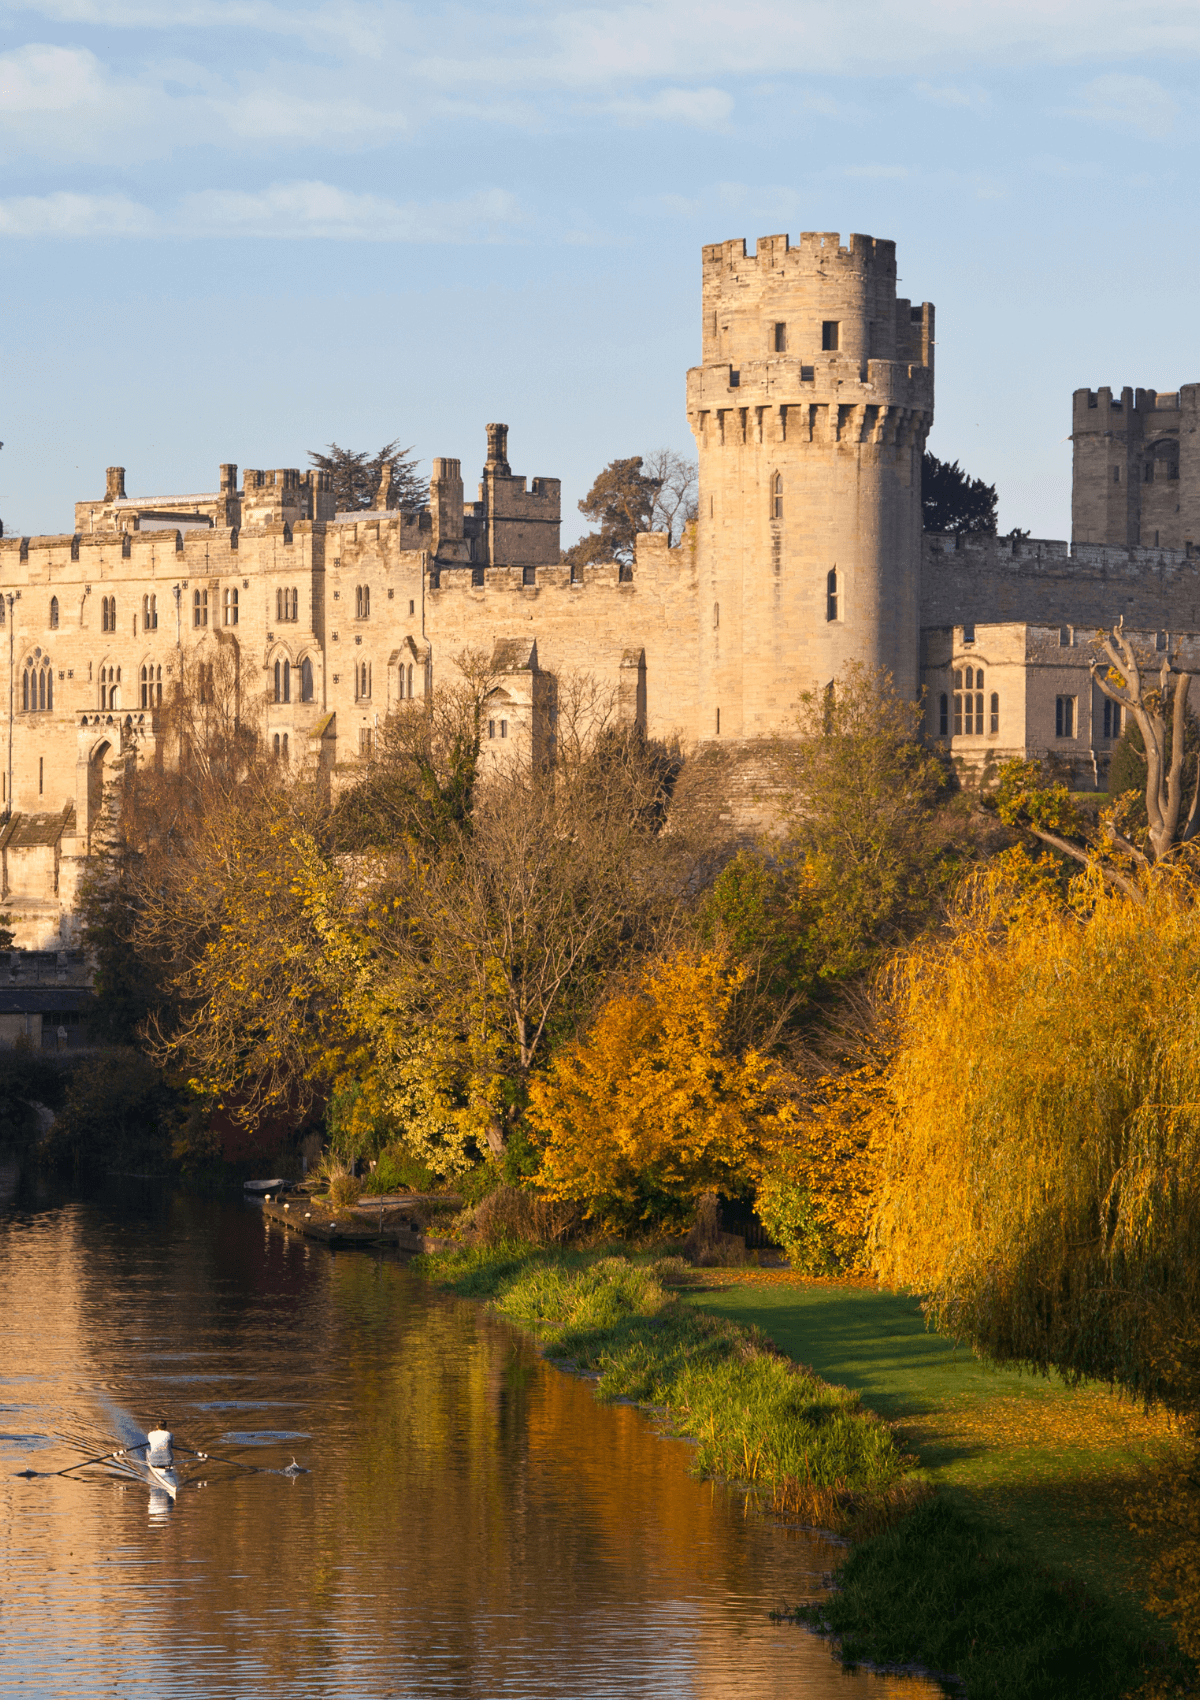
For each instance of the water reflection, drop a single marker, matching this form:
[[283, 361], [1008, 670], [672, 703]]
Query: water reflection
[[473, 1523]]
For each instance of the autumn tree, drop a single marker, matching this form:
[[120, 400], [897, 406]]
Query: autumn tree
[[358, 476], [867, 837], [650, 1108]]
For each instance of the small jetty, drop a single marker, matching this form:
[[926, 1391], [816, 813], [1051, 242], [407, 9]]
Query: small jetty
[[372, 1221]]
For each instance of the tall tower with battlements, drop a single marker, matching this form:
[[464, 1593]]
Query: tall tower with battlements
[[810, 413]]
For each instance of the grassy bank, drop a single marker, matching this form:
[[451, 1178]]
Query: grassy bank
[[930, 1580], [806, 1448], [1051, 1465]]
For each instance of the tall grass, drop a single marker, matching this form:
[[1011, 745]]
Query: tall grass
[[1042, 1180], [808, 1449]]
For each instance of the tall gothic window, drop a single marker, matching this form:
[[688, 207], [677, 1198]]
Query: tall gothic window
[[150, 613], [831, 594], [968, 702], [283, 681], [54, 613], [306, 680], [231, 607]]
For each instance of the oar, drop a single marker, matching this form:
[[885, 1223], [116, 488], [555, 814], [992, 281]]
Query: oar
[[211, 1458]]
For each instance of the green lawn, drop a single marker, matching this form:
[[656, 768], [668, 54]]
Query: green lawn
[[1053, 1465]]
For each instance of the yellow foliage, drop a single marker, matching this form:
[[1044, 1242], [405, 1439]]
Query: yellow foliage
[[651, 1103], [1167, 1513], [815, 1187], [1041, 1179]]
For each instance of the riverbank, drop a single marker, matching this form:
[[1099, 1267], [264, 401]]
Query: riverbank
[[936, 1570]]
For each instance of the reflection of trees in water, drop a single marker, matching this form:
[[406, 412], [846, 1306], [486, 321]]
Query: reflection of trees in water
[[472, 1515]]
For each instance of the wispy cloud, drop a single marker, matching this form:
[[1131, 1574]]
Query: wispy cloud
[[66, 214], [1130, 102], [307, 209]]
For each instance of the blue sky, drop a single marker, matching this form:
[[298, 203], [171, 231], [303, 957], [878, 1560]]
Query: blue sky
[[234, 230]]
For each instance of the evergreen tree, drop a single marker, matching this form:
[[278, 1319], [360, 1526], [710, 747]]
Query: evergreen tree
[[951, 500], [357, 475]]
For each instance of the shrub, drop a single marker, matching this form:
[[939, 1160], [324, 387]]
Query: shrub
[[517, 1214], [397, 1170], [345, 1190]]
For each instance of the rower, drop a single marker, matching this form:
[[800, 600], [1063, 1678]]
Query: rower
[[160, 1439]]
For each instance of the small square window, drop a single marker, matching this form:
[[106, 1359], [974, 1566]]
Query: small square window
[[969, 633], [528, 576], [830, 330], [807, 374]]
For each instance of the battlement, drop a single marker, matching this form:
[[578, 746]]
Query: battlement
[[816, 248], [1091, 409], [818, 298]]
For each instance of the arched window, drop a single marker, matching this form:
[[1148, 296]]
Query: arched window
[[362, 601], [410, 681], [831, 594], [279, 615], [285, 746], [231, 607], [149, 613], [25, 692], [306, 680], [402, 681], [277, 745], [291, 600], [362, 680], [283, 681], [158, 687], [777, 496], [54, 613], [199, 608], [146, 671], [49, 687], [994, 725], [108, 613]]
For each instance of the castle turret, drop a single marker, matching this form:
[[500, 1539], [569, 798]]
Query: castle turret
[[1136, 467], [810, 415]]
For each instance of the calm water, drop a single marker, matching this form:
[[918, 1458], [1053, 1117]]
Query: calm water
[[473, 1523]]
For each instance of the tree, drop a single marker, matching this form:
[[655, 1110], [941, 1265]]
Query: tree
[[1164, 749], [868, 848], [357, 476], [1041, 1177], [675, 504], [650, 1108], [953, 501], [1135, 833], [623, 500]]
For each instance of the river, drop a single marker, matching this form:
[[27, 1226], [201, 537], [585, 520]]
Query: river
[[472, 1522]]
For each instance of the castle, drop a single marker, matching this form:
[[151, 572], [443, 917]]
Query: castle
[[810, 411]]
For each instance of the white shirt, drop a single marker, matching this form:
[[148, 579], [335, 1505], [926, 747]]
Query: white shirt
[[160, 1446]]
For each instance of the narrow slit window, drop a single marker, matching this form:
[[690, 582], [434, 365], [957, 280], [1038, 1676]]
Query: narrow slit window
[[231, 607], [994, 722], [54, 613], [781, 339], [943, 715], [831, 594]]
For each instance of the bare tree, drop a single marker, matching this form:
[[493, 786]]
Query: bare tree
[[1121, 679], [675, 504]]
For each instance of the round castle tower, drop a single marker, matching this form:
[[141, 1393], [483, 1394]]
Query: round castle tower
[[810, 414]]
